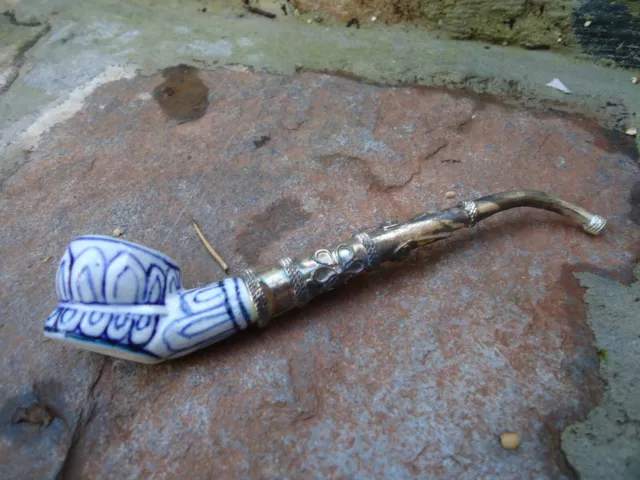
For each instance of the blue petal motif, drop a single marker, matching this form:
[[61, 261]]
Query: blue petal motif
[[69, 319], [96, 317], [155, 286], [112, 274], [87, 276], [52, 319], [94, 324], [119, 327], [211, 313], [173, 281], [143, 322], [125, 280], [186, 333], [208, 294], [143, 329], [62, 277]]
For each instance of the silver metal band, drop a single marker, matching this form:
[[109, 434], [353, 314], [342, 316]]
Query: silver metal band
[[300, 289], [258, 297], [373, 258], [471, 210], [595, 225]]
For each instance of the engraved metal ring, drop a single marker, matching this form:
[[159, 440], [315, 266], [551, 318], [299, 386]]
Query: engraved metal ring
[[257, 295], [299, 287], [471, 210], [373, 257]]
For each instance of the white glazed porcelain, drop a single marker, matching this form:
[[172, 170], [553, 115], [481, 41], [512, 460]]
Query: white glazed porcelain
[[124, 300]]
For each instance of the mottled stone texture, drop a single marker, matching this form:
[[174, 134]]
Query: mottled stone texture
[[613, 34], [413, 371], [532, 24], [607, 444], [15, 39]]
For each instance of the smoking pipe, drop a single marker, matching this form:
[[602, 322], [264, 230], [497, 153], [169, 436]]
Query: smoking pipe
[[125, 300]]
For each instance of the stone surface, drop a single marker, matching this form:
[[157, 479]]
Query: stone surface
[[612, 36], [413, 371], [15, 39], [523, 23], [7, 5], [607, 444], [96, 41], [613, 33]]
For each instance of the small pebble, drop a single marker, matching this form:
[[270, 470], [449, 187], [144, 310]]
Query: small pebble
[[587, 23], [510, 440], [450, 194], [309, 20], [633, 131], [118, 232], [374, 18], [559, 39]]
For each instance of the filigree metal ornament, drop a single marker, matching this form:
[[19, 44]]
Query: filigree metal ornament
[[125, 300]]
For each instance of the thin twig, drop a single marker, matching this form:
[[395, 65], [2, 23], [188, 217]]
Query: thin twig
[[259, 11], [212, 251]]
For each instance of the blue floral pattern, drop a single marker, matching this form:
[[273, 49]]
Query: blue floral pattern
[[114, 296]]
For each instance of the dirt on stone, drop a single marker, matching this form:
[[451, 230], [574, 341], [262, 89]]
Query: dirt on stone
[[182, 96], [35, 413], [393, 11]]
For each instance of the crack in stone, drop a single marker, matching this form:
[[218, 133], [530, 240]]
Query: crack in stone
[[85, 417], [412, 175], [375, 182], [77, 435], [417, 172], [14, 21], [18, 59]]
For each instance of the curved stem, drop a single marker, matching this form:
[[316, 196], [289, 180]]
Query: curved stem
[[394, 241], [500, 202]]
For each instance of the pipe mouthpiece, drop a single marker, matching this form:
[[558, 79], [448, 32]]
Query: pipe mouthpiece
[[595, 225]]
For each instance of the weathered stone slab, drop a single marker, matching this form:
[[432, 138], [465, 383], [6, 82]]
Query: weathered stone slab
[[414, 371]]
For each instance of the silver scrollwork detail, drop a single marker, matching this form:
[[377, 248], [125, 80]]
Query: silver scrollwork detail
[[335, 267]]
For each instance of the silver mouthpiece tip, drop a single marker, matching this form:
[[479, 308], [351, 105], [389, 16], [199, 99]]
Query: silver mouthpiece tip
[[595, 225]]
